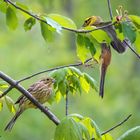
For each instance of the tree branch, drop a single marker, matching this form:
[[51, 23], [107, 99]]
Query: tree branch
[[52, 69], [56, 68], [6, 91], [119, 124], [14, 84], [110, 9], [44, 21], [127, 44], [114, 127]]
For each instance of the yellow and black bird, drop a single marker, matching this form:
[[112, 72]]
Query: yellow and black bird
[[105, 57], [97, 21], [41, 90]]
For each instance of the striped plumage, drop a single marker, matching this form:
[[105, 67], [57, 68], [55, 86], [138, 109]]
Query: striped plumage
[[41, 90]]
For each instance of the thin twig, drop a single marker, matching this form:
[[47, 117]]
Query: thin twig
[[110, 9], [52, 69], [132, 49], [114, 127], [44, 21], [6, 91], [14, 84], [119, 124]]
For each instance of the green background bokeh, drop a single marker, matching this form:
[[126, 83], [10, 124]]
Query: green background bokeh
[[24, 53]]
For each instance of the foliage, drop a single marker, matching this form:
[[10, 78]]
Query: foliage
[[77, 127], [72, 79], [9, 102], [87, 44], [132, 134]]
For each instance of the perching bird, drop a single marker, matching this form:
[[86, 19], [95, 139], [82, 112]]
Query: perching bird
[[116, 43], [41, 90], [105, 61]]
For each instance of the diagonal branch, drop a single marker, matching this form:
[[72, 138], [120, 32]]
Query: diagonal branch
[[14, 84], [119, 124], [114, 127], [127, 44], [110, 9], [56, 68], [6, 91], [41, 72], [44, 21]]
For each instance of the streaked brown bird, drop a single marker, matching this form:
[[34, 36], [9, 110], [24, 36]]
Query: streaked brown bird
[[41, 90], [116, 43], [105, 61]]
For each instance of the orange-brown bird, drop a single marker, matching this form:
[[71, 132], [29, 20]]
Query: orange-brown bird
[[97, 21], [41, 90], [105, 61]]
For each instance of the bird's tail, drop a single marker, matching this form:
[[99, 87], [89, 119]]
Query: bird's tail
[[102, 80], [10, 125]]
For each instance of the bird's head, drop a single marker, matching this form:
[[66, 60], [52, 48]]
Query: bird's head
[[48, 81], [92, 21]]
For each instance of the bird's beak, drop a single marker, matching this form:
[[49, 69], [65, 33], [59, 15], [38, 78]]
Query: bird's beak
[[53, 80]]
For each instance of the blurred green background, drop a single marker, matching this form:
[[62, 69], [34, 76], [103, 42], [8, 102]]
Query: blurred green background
[[24, 53]]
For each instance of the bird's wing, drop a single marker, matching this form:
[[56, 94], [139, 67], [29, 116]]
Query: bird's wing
[[30, 89]]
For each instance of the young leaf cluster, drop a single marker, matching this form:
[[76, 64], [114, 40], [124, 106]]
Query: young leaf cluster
[[73, 81]]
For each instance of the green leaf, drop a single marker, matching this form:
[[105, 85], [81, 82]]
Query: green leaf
[[75, 71], [58, 96], [62, 87], [10, 104], [92, 128], [91, 81], [136, 20], [107, 136], [85, 47], [85, 132], [63, 21], [3, 86], [96, 50], [11, 18], [3, 6], [89, 45], [69, 129], [132, 134], [100, 36], [137, 42], [59, 75], [1, 103], [82, 51], [74, 82], [54, 24], [76, 116], [119, 32], [96, 131], [84, 84], [29, 23], [129, 31], [47, 32]]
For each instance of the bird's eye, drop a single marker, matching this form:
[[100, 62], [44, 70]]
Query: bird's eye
[[47, 79], [86, 21]]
